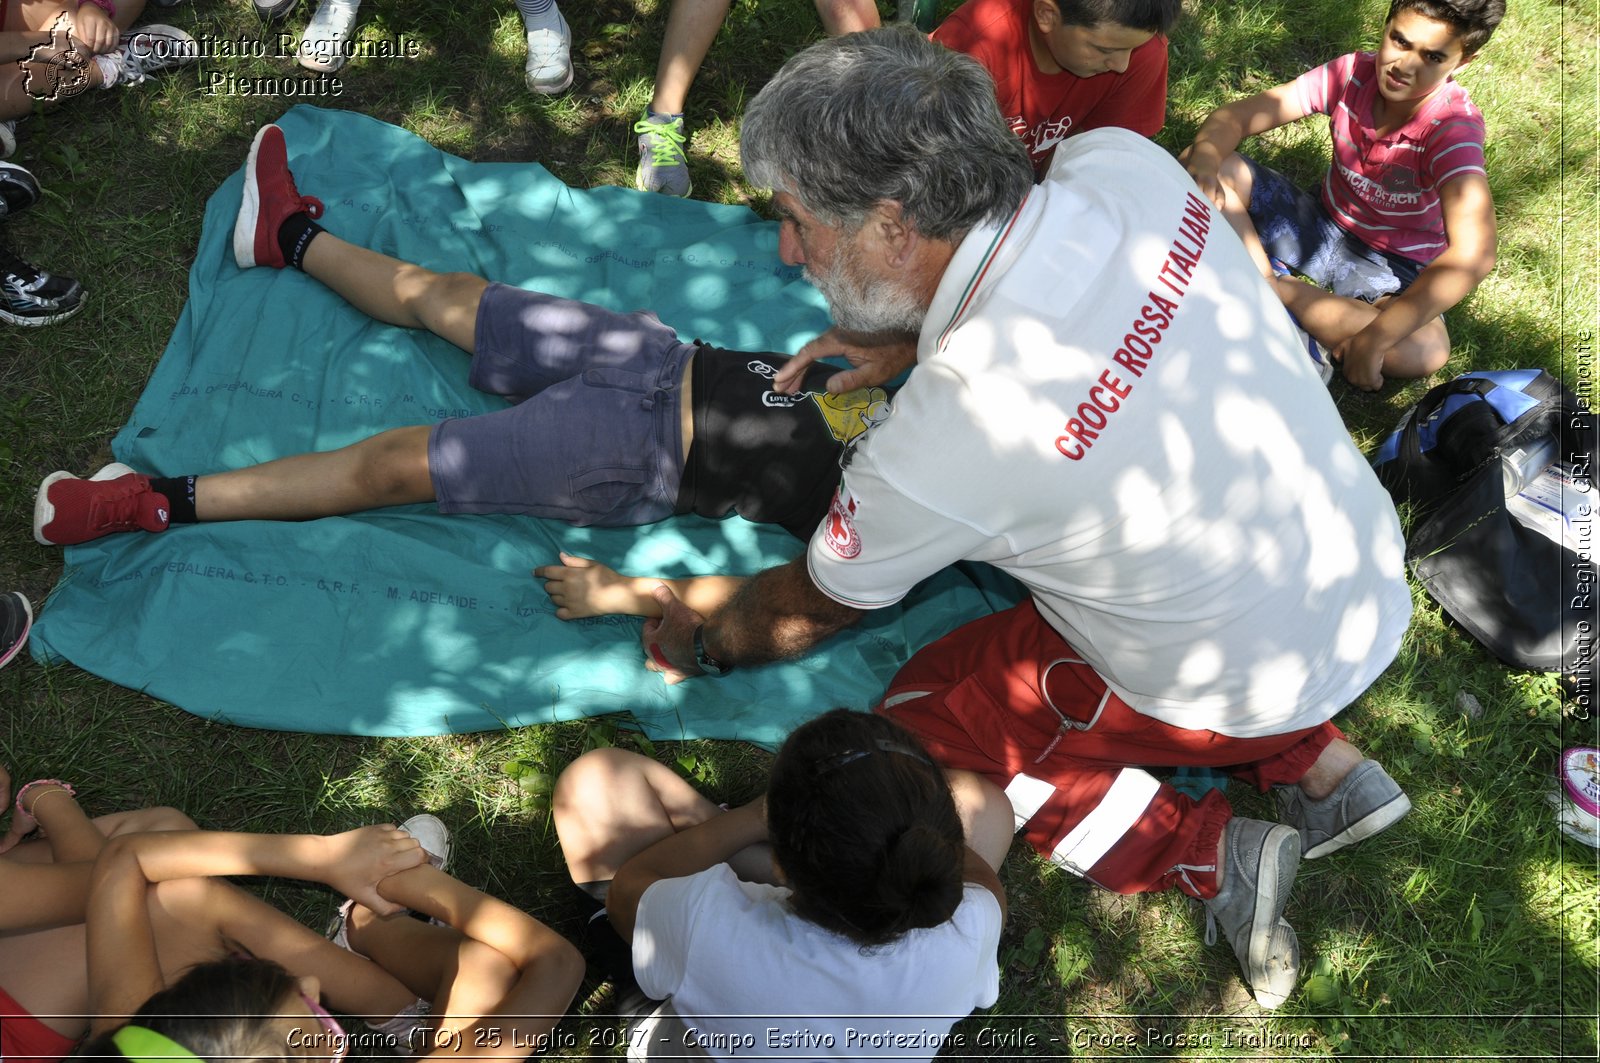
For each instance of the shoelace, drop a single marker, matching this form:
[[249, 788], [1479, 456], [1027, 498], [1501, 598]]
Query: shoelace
[[666, 142]]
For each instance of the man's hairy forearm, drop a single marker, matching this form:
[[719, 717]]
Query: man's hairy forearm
[[775, 615]]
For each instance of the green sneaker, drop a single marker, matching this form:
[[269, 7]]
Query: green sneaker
[[663, 167]]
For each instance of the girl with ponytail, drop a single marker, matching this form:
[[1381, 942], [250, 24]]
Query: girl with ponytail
[[860, 892]]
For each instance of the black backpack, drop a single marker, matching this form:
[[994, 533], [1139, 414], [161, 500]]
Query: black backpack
[[1499, 470]]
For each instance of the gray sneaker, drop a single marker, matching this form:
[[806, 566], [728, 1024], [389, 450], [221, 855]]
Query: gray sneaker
[[1257, 875], [663, 167], [143, 51], [1366, 802]]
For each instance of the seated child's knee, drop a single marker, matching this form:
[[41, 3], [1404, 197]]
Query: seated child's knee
[[589, 780], [1430, 349], [490, 969], [161, 817]]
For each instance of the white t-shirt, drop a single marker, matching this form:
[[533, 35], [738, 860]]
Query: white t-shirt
[[750, 978], [1112, 405]]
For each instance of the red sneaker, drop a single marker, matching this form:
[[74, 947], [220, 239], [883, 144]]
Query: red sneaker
[[69, 510], [269, 197]]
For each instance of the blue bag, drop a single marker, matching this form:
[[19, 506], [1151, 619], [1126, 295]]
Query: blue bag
[[1498, 468]]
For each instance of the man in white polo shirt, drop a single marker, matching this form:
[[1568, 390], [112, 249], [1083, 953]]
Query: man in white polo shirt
[[1110, 404]]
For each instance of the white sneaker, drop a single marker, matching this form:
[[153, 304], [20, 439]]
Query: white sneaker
[[434, 836], [322, 46], [8, 137], [549, 66]]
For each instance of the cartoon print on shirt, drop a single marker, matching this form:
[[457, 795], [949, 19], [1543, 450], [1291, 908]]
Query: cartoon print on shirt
[[848, 416], [1042, 138]]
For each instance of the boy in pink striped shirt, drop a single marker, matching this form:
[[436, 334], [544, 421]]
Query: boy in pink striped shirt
[[1403, 228]]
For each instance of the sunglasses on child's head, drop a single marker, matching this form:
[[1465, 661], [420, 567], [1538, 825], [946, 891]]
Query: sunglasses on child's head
[[140, 1044]]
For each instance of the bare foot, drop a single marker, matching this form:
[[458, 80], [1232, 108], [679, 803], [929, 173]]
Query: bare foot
[[581, 587]]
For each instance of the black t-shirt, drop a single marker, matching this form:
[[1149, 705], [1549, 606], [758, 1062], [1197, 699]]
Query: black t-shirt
[[772, 459]]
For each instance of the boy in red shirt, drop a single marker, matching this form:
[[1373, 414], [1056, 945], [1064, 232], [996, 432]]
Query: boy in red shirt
[[1404, 226], [1063, 66]]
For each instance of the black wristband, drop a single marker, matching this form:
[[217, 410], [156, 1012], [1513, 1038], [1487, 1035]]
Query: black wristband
[[707, 663]]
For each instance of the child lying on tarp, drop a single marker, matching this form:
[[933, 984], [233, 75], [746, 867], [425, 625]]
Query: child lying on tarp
[[615, 420]]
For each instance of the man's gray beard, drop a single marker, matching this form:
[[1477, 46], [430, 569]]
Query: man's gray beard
[[883, 308]]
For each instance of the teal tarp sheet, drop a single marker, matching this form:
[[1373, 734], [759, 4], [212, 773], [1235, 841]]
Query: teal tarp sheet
[[402, 621]]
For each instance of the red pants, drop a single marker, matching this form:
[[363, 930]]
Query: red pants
[[1009, 698]]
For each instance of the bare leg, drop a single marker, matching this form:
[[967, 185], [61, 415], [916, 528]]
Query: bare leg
[[610, 805], [847, 16], [1332, 319], [1329, 770], [388, 469], [986, 816], [1237, 183], [691, 27], [396, 292]]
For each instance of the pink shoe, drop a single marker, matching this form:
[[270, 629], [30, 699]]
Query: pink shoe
[[269, 197], [69, 510]]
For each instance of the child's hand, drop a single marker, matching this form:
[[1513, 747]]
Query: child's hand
[[358, 860], [1362, 360], [581, 587], [93, 31], [21, 827], [1203, 165]]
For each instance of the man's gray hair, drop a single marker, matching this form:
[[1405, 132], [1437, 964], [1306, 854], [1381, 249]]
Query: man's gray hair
[[886, 115]]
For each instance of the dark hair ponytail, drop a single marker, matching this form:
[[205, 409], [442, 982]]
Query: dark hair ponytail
[[863, 825], [224, 1010]]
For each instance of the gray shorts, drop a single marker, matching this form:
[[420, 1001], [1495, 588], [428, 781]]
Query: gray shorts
[[595, 436]]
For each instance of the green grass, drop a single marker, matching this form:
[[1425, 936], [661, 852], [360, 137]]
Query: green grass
[[1467, 932]]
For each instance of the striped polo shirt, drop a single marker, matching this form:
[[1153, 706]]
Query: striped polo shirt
[[1385, 190]]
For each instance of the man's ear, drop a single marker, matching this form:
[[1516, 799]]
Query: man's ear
[[893, 235]]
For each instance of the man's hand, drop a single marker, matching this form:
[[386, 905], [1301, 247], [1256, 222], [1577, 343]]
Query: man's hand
[[358, 860], [1362, 358], [877, 359], [669, 641], [581, 587]]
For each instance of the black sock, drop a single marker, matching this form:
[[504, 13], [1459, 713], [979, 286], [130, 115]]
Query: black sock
[[180, 497], [294, 236]]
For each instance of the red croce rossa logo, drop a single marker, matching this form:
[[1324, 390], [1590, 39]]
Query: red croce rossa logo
[[840, 530]]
